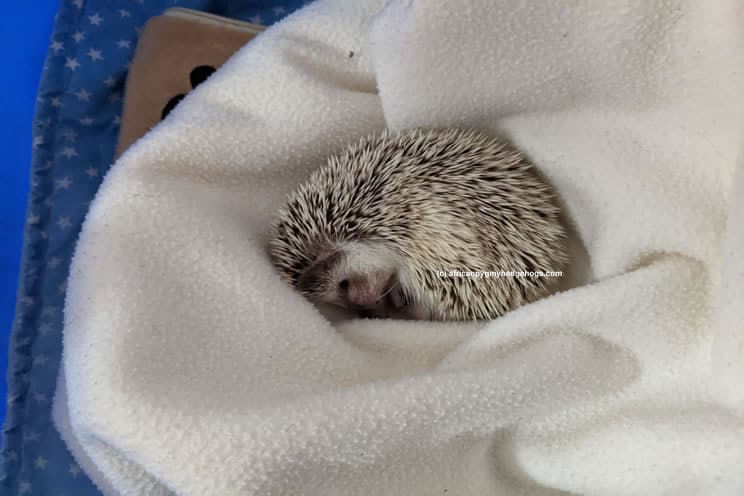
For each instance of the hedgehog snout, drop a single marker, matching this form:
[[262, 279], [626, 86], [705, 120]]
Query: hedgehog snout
[[375, 294], [365, 289]]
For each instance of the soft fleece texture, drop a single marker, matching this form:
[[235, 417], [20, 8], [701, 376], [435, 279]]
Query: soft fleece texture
[[191, 368]]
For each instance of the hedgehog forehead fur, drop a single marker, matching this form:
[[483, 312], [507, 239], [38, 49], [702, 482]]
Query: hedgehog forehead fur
[[442, 200]]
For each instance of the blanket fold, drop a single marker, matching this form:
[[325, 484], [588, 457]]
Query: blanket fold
[[190, 368]]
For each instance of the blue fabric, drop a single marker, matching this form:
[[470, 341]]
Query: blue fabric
[[24, 36], [75, 130]]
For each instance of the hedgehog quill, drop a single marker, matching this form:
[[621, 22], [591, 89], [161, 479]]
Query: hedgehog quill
[[375, 229]]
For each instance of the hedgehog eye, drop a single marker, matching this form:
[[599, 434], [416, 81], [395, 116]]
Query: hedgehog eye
[[344, 285]]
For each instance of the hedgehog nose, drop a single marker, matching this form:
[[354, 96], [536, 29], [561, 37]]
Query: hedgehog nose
[[367, 290], [363, 298]]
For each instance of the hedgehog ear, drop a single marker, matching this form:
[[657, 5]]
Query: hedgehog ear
[[313, 277]]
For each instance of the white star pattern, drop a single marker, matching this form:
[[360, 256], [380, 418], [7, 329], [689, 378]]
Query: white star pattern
[[92, 172], [40, 360], [95, 55], [40, 397], [56, 102], [41, 462], [54, 262], [43, 123], [124, 13], [69, 152], [27, 300], [63, 183], [24, 487], [78, 3], [95, 19], [64, 222], [11, 455], [86, 121], [38, 140], [57, 46], [62, 287], [72, 63], [110, 81], [74, 470], [124, 44], [279, 10], [49, 311], [33, 219], [83, 95], [69, 134], [117, 120], [256, 19], [78, 36]]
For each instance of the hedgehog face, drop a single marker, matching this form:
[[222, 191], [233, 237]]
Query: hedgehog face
[[362, 276]]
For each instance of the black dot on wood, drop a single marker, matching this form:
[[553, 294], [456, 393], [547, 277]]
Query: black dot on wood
[[171, 105], [200, 74]]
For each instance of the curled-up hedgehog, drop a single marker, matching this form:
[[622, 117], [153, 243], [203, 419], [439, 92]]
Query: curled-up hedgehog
[[381, 227]]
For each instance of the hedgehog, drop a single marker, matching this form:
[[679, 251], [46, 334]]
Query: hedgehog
[[417, 224]]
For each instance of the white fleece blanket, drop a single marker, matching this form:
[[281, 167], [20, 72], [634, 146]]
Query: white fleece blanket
[[190, 368]]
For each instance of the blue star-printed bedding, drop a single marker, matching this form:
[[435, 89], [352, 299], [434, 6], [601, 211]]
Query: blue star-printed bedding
[[75, 133]]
